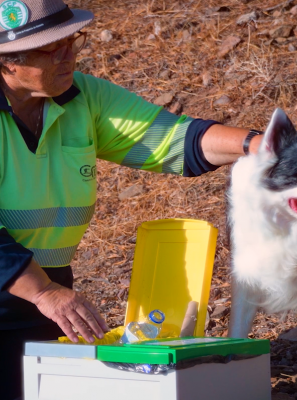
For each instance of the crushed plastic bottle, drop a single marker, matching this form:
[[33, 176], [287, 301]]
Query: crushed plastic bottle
[[148, 328]]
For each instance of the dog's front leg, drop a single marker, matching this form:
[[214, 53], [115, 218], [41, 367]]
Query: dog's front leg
[[243, 309]]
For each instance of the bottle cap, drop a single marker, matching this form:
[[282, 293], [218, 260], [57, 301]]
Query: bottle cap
[[157, 316]]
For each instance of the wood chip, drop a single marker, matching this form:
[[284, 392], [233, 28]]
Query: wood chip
[[228, 44]]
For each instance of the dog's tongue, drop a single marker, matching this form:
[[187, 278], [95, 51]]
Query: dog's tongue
[[293, 204]]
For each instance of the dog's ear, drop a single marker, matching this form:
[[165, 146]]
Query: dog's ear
[[280, 134]]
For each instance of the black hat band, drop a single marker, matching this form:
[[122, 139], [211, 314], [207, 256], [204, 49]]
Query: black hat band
[[36, 26]]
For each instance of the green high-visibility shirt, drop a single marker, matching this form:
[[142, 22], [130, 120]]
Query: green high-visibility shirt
[[48, 197]]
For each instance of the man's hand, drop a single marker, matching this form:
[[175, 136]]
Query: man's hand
[[70, 309], [64, 306]]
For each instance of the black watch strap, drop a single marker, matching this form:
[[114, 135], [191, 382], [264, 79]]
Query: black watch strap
[[247, 140]]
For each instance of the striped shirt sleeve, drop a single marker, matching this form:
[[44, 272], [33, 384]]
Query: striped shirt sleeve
[[138, 134], [135, 133], [161, 148]]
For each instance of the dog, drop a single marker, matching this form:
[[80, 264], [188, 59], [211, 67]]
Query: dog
[[262, 219]]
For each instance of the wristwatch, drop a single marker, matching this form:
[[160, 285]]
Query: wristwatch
[[247, 140]]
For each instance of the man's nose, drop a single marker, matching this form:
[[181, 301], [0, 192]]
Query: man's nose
[[69, 56]]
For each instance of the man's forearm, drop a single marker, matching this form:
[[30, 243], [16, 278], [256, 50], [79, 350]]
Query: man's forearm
[[223, 144], [64, 306], [30, 283]]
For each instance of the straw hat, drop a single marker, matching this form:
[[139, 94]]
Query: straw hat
[[29, 24]]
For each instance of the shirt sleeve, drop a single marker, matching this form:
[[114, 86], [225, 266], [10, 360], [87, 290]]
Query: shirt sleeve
[[195, 163], [14, 259], [132, 132], [135, 133]]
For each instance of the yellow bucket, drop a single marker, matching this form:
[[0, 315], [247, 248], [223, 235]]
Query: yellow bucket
[[172, 266]]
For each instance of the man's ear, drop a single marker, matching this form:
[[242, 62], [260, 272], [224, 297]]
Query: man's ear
[[8, 69]]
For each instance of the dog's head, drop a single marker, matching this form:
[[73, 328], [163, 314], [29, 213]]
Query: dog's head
[[278, 151]]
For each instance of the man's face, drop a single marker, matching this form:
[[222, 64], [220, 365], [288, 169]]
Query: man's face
[[40, 76]]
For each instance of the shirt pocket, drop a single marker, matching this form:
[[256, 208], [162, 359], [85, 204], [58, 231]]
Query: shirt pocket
[[79, 171], [79, 148]]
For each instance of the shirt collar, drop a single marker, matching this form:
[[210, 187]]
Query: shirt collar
[[67, 96], [62, 99]]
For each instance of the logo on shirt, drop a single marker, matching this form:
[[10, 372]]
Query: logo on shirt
[[12, 15], [88, 172]]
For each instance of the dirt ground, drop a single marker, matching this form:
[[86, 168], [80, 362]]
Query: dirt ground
[[233, 62]]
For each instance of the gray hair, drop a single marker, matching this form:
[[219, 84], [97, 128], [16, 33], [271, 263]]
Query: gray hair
[[19, 58]]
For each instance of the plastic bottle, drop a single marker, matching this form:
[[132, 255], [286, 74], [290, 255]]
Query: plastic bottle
[[148, 328]]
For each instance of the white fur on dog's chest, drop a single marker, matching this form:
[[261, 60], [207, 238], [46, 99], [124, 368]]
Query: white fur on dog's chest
[[264, 236]]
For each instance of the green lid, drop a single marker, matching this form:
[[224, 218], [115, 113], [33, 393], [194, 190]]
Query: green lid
[[166, 351]]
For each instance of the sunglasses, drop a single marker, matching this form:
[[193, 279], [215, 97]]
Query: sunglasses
[[75, 44]]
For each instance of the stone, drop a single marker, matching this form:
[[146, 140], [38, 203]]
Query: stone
[[206, 78], [165, 74], [132, 55], [164, 99], [281, 40], [87, 255], [131, 191], [289, 335], [264, 32], [228, 44], [293, 10], [175, 108], [222, 300], [85, 62], [278, 78], [277, 22], [283, 31], [219, 312], [106, 36], [86, 52], [151, 36], [186, 36], [291, 47], [246, 18], [157, 28], [222, 101]]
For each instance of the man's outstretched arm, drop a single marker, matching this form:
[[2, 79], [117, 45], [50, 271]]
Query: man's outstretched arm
[[223, 144]]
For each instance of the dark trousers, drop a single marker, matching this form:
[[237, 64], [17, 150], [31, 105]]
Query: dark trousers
[[11, 353]]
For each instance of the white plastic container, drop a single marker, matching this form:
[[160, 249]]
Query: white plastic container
[[55, 371]]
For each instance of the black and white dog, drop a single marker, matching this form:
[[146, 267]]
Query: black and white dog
[[263, 221]]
